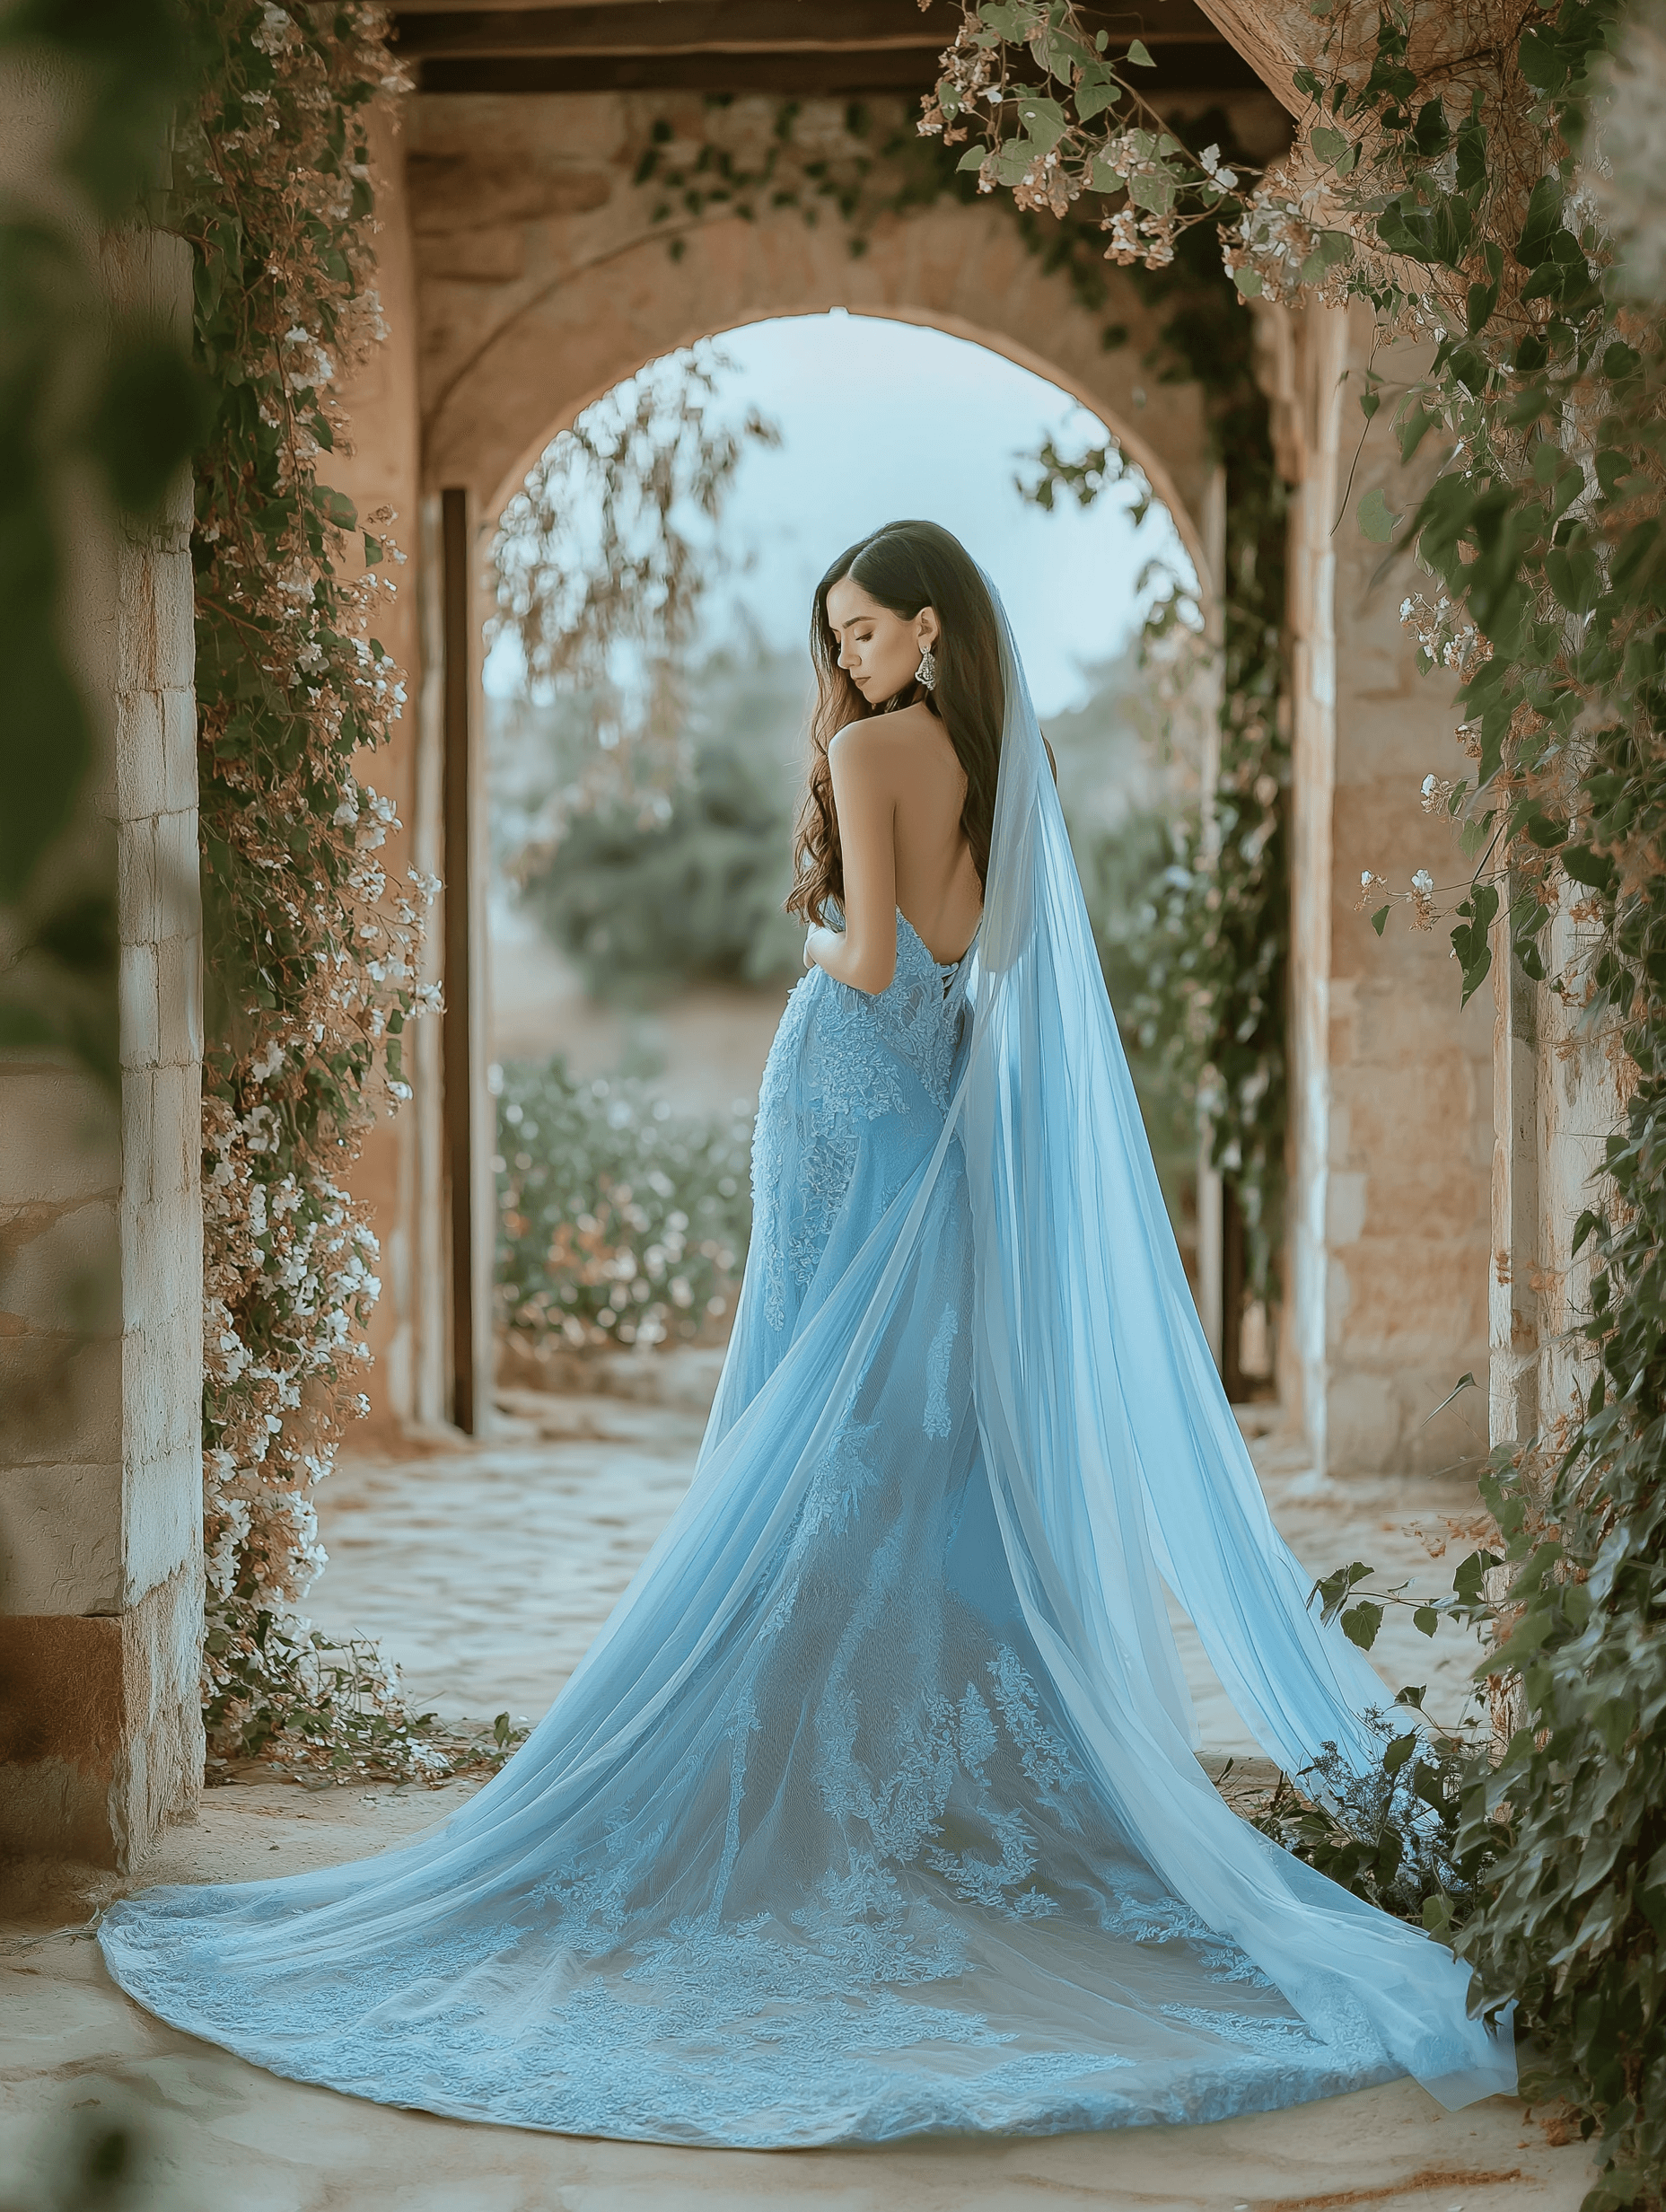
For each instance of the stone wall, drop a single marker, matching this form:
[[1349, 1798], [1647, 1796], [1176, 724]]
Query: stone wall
[[101, 1247]]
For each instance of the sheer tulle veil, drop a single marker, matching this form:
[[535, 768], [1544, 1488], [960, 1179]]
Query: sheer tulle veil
[[868, 1809], [1116, 1464]]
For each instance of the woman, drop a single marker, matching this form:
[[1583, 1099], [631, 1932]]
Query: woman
[[873, 1809]]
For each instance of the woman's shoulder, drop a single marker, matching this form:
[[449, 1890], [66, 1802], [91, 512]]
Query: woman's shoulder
[[878, 738], [864, 747]]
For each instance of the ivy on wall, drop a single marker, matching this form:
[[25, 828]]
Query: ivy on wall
[[311, 944], [1438, 174]]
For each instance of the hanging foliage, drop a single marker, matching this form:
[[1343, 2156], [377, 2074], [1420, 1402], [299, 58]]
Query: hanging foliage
[[311, 943]]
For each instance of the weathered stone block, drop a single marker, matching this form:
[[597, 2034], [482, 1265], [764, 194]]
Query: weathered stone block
[[1345, 1206], [56, 1266], [60, 1539], [1364, 1425], [62, 1396], [101, 1728], [138, 903], [178, 873], [60, 1139], [141, 1009], [179, 1001], [161, 1504]]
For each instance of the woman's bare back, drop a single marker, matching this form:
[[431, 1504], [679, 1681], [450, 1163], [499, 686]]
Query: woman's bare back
[[899, 790], [937, 885]]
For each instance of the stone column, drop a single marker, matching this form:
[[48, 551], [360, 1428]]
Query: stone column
[[381, 474], [1301, 360], [1513, 1307], [100, 1249], [1392, 1122]]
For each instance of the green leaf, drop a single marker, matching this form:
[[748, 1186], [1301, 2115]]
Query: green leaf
[[1379, 918], [1467, 1580], [1153, 189], [1588, 868], [1397, 1754], [1137, 55], [1539, 55], [1248, 281], [1329, 144], [1361, 1622], [1471, 940], [1377, 522], [1093, 100], [1426, 1620], [1045, 122], [1542, 223]]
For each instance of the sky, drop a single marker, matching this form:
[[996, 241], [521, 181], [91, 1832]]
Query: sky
[[882, 419]]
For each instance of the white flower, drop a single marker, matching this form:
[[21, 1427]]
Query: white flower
[[1210, 161]]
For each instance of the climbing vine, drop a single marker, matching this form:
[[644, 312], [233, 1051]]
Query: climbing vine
[[1493, 187], [311, 941]]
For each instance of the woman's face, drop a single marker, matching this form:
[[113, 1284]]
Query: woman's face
[[881, 650]]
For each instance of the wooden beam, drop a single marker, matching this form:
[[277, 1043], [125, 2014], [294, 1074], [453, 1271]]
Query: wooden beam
[[1209, 67], [681, 27], [468, 1386]]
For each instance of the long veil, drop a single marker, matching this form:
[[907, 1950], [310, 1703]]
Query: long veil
[[1117, 1465], [713, 1897]]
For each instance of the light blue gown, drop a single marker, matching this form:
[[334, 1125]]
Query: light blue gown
[[873, 1809]]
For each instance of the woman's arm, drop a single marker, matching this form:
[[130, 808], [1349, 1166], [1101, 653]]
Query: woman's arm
[[865, 955]]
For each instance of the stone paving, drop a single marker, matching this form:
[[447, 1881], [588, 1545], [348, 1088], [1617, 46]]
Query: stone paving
[[485, 1570]]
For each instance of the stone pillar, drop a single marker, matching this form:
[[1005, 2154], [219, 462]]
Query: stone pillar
[[1301, 360], [1564, 1099], [1392, 1122], [1513, 1306], [381, 474], [100, 1249]]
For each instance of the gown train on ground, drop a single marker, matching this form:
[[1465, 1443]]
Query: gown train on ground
[[873, 1807]]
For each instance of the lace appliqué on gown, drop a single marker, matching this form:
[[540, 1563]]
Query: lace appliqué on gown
[[841, 1058]]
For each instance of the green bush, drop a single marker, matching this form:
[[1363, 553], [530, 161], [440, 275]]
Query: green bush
[[619, 1220], [644, 901]]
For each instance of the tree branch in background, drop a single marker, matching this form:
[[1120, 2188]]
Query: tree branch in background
[[603, 563]]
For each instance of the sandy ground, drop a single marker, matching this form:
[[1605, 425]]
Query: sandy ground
[[485, 1570]]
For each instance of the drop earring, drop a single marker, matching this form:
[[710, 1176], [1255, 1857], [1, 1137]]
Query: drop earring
[[926, 672]]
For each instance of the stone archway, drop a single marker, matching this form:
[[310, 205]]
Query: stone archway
[[543, 279]]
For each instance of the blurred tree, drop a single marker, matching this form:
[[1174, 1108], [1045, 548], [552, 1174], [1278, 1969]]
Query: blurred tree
[[643, 900]]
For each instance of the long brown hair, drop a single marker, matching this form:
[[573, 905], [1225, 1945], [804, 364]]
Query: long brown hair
[[905, 566]]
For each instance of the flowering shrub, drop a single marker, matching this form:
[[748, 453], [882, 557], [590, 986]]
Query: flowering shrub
[[621, 1221], [311, 944]]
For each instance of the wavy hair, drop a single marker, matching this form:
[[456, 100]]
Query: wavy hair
[[905, 566]]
